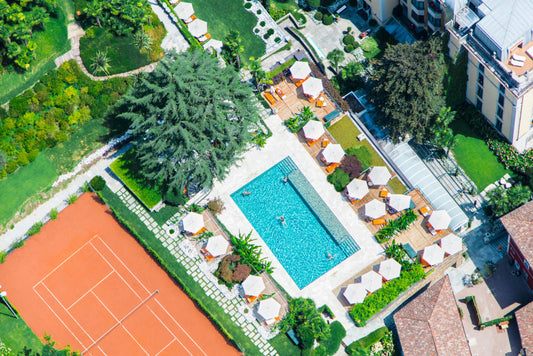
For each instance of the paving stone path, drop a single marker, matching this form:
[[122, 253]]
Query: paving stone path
[[192, 265]]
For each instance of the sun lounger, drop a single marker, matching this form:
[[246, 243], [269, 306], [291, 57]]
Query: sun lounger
[[270, 98], [325, 142], [280, 93], [331, 167], [379, 221], [519, 58], [320, 102], [383, 193], [424, 211], [204, 38], [516, 63], [310, 99]]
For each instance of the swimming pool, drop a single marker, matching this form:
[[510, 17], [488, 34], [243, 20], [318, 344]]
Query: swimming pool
[[311, 232]]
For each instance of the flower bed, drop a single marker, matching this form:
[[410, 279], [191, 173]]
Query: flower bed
[[510, 157], [394, 227]]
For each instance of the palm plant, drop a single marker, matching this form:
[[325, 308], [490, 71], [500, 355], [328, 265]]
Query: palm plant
[[335, 57], [232, 47], [142, 41], [100, 63]]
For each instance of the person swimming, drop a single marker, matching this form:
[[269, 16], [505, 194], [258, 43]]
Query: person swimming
[[245, 193], [330, 257], [285, 179], [282, 220]]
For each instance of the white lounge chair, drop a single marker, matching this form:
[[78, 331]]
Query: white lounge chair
[[518, 58], [516, 63]]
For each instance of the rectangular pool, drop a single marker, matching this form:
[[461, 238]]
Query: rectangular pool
[[311, 232]]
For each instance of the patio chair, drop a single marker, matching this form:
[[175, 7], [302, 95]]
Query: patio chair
[[331, 167], [310, 99], [204, 38], [270, 98], [424, 211], [325, 142], [383, 193], [379, 221]]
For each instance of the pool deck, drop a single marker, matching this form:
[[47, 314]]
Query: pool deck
[[255, 162]]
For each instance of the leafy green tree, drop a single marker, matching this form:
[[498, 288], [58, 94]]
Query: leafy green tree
[[313, 3], [408, 88], [94, 9], [259, 75], [231, 48], [503, 200], [442, 135], [191, 118], [100, 63], [335, 57]]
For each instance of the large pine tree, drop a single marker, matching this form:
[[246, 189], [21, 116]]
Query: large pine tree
[[191, 119], [408, 88]]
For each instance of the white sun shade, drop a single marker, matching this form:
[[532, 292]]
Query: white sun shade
[[198, 28], [390, 269], [357, 189], [399, 202], [433, 255], [333, 153], [253, 286], [300, 70], [192, 223], [268, 309], [379, 175], [216, 45], [372, 281], [451, 244], [313, 130], [439, 219], [355, 293], [184, 10], [312, 87], [217, 245], [375, 209]]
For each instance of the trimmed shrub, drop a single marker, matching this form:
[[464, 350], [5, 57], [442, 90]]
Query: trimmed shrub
[[348, 49], [307, 339], [327, 19], [349, 40], [35, 229], [53, 214], [262, 24], [215, 206], [332, 343], [277, 39], [98, 183], [247, 5], [313, 4], [319, 16], [339, 179], [270, 32], [18, 244], [258, 12]]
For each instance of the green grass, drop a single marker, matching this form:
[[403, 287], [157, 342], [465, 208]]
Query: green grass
[[230, 15], [16, 334], [289, 5], [397, 186], [26, 182], [126, 169], [284, 346], [475, 158], [51, 43], [164, 214], [187, 282], [282, 67], [370, 48], [362, 346]]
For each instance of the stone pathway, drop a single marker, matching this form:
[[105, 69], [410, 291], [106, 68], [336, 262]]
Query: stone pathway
[[194, 266]]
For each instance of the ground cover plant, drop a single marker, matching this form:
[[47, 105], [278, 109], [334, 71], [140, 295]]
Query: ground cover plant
[[396, 226], [378, 342], [250, 254], [284, 345], [296, 123]]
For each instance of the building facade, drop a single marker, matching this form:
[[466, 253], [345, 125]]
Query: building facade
[[379, 10], [497, 34]]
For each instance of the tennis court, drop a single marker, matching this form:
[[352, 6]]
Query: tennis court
[[87, 282]]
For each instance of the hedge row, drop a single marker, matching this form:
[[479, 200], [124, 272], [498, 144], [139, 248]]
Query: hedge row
[[329, 87]]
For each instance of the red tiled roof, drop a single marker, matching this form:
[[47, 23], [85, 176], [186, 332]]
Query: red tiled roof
[[519, 224], [430, 324], [524, 319]]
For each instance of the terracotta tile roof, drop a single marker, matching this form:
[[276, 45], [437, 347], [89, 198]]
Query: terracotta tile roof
[[519, 224], [430, 324], [524, 319]]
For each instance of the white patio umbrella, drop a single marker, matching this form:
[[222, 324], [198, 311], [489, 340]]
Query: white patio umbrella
[[439, 219], [357, 189], [399, 202], [217, 245], [433, 255], [300, 70], [184, 10], [375, 209], [379, 175], [355, 293], [313, 130], [216, 45], [192, 223], [372, 281], [312, 87], [268, 309], [253, 286], [390, 269], [198, 28], [333, 153], [451, 244]]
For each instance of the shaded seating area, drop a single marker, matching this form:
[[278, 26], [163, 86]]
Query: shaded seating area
[[192, 224], [379, 176], [389, 269], [398, 202], [252, 287], [432, 255], [313, 131], [438, 220], [299, 72], [312, 88], [332, 155], [374, 209], [372, 281], [355, 293], [185, 11], [215, 246], [268, 311], [198, 28], [451, 244], [356, 190]]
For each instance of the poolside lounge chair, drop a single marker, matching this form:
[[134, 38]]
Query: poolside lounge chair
[[270, 98], [383, 193], [204, 38], [325, 142], [379, 221], [251, 298], [331, 167], [207, 255], [280, 93], [424, 211], [310, 99], [320, 102], [189, 20]]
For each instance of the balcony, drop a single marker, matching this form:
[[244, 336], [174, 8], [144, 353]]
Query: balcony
[[435, 9]]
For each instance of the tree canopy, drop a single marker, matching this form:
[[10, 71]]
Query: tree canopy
[[191, 119], [408, 88]]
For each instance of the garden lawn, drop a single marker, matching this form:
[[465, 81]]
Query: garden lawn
[[475, 158], [230, 15], [16, 334], [26, 182], [127, 170], [362, 346], [51, 43], [186, 282], [284, 346], [370, 48]]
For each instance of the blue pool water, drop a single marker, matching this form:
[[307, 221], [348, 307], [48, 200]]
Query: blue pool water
[[311, 230]]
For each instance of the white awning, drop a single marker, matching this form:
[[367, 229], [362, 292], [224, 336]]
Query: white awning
[[372, 281], [268, 309], [390, 269], [451, 244], [198, 28], [312, 87], [357, 189], [313, 130], [300, 70], [439, 219], [379, 175], [433, 255], [217, 245], [355, 293], [184, 10], [333, 153], [192, 223], [253, 286], [375, 209], [399, 202]]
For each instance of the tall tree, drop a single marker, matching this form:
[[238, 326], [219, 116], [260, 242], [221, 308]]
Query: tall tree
[[408, 89], [258, 74], [442, 135], [191, 120], [336, 57], [232, 47]]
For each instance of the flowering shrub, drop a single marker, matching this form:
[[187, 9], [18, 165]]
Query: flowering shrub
[[4, 350], [509, 156]]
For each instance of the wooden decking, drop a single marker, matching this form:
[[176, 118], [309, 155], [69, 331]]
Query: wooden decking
[[528, 64], [295, 100]]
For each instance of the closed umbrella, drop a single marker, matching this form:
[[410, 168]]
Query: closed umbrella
[[390, 269], [399, 202], [355, 293], [451, 244], [372, 281], [268, 309], [313, 130], [333, 153], [379, 176], [433, 255], [217, 245], [375, 209], [192, 223], [300, 70], [357, 189], [198, 28], [184, 10], [439, 219], [312, 87], [253, 286]]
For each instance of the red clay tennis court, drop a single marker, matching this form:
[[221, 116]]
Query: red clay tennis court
[[89, 284]]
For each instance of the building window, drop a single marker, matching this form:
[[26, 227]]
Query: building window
[[434, 21], [480, 68], [501, 99], [502, 88], [479, 92], [527, 264], [499, 125], [480, 78], [417, 18], [499, 112], [419, 5], [479, 104]]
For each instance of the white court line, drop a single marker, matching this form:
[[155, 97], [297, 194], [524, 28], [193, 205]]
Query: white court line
[[134, 339], [90, 290], [164, 348], [175, 337]]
